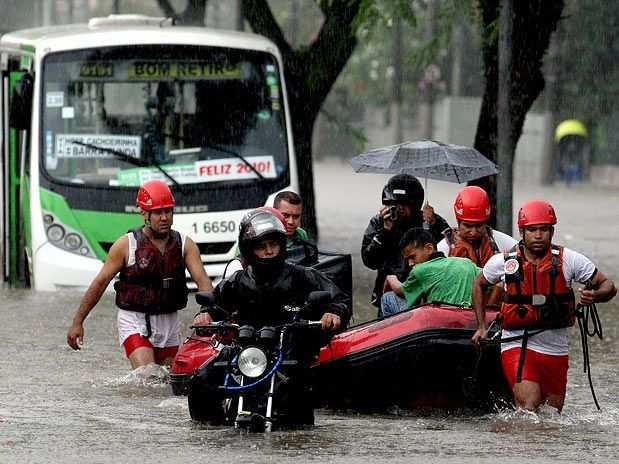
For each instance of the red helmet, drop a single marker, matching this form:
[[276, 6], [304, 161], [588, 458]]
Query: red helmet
[[536, 212], [472, 205], [155, 194]]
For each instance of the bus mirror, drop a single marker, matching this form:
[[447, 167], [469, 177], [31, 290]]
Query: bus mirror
[[20, 111]]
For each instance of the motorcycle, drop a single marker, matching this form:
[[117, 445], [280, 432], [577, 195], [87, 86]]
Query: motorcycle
[[260, 378]]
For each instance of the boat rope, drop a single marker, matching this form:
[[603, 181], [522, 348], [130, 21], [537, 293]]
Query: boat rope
[[589, 325]]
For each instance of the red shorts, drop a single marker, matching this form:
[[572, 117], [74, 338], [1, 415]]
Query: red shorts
[[135, 341], [550, 372]]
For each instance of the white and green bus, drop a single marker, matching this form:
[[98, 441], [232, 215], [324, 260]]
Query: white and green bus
[[89, 112]]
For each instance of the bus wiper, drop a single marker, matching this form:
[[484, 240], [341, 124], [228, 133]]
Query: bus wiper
[[223, 150], [131, 160], [239, 156]]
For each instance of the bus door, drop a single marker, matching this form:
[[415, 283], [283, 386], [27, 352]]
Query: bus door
[[17, 86]]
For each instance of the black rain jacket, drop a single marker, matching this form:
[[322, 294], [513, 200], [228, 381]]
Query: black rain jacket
[[380, 249], [260, 303]]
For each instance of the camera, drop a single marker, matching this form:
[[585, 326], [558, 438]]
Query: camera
[[393, 212]]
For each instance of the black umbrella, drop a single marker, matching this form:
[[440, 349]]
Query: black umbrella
[[426, 158]]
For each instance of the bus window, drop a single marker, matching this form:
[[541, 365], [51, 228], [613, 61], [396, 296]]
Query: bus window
[[191, 110]]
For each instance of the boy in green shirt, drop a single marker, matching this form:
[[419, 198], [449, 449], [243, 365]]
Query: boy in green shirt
[[433, 277]]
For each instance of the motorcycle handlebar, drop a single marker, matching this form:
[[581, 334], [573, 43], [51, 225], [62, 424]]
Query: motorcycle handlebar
[[216, 326]]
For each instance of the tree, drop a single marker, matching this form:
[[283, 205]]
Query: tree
[[310, 70], [533, 23], [589, 84], [192, 15]]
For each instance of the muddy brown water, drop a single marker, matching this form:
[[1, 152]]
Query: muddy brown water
[[61, 406]]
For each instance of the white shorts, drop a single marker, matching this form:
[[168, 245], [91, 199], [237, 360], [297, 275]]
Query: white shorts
[[166, 328]]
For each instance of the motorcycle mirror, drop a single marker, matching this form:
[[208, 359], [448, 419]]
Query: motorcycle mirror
[[205, 299], [319, 297]]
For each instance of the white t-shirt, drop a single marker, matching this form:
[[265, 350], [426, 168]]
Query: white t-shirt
[[576, 267], [503, 241]]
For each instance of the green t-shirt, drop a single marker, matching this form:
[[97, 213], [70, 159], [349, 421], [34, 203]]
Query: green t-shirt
[[449, 280], [299, 233]]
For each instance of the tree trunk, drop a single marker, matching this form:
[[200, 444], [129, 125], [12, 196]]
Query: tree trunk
[[310, 73], [534, 22], [193, 15]]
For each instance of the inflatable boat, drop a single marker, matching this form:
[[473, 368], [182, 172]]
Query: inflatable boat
[[420, 358]]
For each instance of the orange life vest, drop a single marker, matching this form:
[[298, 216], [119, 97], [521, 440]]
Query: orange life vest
[[537, 295], [463, 249]]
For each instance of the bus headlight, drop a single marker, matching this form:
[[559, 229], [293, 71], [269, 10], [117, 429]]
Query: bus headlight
[[72, 241], [252, 362], [65, 237], [55, 233]]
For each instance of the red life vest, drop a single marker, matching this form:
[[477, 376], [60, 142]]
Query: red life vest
[[536, 295], [463, 249], [155, 283]]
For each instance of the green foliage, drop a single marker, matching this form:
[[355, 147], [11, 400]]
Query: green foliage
[[588, 71]]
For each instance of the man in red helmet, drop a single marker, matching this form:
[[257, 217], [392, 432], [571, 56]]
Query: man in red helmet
[[473, 238], [151, 287], [538, 306]]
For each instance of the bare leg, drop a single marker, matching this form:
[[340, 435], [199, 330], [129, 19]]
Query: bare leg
[[141, 357], [528, 395], [556, 401]]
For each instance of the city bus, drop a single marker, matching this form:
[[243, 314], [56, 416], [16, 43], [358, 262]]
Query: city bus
[[92, 111]]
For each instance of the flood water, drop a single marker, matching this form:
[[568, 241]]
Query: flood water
[[57, 405]]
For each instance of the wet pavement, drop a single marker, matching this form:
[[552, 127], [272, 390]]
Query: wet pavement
[[57, 405]]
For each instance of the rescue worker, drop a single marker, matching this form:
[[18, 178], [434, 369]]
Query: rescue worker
[[402, 199], [473, 238], [151, 288], [538, 306], [433, 277]]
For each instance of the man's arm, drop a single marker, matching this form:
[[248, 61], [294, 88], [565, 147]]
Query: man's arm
[[194, 265], [437, 227], [479, 290], [116, 259], [603, 290], [373, 244]]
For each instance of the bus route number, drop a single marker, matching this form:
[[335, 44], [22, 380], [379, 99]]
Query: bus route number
[[216, 227]]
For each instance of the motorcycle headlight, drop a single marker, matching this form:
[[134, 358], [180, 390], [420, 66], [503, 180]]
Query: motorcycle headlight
[[252, 362]]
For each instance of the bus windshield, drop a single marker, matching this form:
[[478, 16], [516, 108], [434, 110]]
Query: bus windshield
[[201, 114]]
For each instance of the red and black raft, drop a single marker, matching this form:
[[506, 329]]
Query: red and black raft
[[422, 357]]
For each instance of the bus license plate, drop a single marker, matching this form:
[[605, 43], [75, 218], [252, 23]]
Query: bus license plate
[[214, 227]]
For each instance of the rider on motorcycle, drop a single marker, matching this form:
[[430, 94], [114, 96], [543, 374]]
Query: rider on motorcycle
[[263, 293], [270, 292]]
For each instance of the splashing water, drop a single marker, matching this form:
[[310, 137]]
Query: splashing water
[[150, 377]]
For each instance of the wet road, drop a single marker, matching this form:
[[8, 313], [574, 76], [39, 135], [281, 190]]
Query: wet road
[[61, 406]]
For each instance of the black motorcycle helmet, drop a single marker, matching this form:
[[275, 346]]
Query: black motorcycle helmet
[[403, 189], [259, 225]]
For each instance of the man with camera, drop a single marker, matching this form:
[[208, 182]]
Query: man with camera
[[402, 200]]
